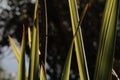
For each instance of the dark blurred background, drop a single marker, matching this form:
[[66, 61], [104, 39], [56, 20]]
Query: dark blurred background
[[15, 13]]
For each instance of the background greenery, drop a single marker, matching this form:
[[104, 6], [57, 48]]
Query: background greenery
[[60, 32]]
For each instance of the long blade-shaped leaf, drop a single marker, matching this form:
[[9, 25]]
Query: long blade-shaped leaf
[[42, 73], [21, 68], [107, 41], [16, 52], [80, 53], [66, 70], [15, 49], [34, 60], [33, 56], [37, 50]]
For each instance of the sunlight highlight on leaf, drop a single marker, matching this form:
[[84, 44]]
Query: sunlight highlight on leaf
[[79, 47], [29, 36], [42, 73], [15, 49]]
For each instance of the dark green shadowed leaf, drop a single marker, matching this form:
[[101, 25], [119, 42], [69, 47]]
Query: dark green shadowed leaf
[[79, 47], [105, 55], [66, 70], [21, 68]]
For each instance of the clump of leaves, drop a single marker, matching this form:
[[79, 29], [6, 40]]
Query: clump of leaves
[[105, 55]]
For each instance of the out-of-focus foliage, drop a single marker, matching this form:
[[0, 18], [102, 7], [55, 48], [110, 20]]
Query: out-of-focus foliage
[[14, 13]]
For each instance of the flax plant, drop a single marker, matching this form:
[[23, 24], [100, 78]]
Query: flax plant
[[105, 54], [34, 57]]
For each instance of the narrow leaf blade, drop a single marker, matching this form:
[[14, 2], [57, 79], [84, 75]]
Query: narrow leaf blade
[[66, 70], [15, 49], [34, 59], [42, 73], [79, 47], [21, 68]]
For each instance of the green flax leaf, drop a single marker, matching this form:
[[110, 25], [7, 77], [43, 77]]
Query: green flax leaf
[[37, 51], [42, 72], [66, 70], [34, 60], [21, 68], [107, 41], [79, 47], [34, 57], [15, 49], [16, 52]]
